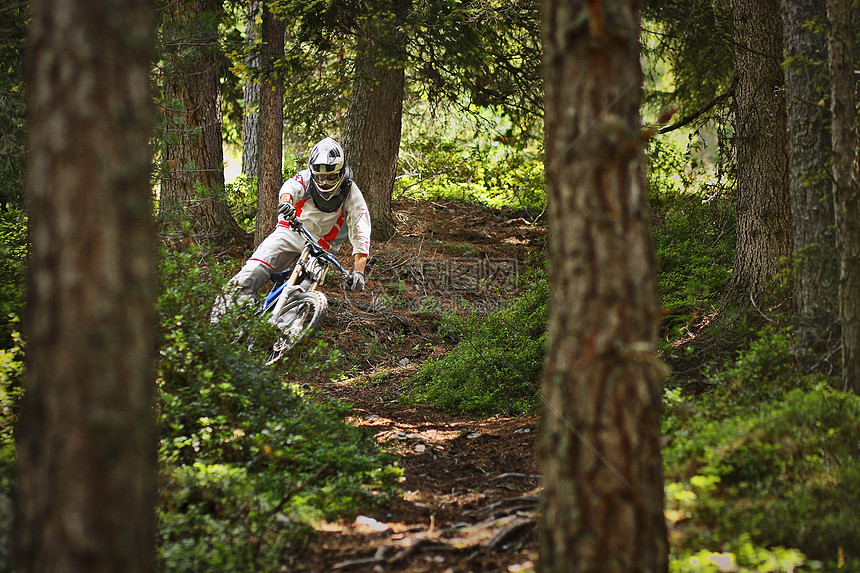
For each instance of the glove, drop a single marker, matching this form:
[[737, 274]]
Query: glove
[[286, 209], [355, 281]]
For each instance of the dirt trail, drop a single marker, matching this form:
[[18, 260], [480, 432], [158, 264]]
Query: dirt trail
[[470, 490]]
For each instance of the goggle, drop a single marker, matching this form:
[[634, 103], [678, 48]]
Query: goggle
[[330, 176]]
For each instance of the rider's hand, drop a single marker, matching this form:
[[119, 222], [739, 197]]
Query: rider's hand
[[286, 209], [355, 281]]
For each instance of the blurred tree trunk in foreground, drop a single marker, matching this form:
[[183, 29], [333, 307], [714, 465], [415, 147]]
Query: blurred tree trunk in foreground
[[86, 466], [603, 481]]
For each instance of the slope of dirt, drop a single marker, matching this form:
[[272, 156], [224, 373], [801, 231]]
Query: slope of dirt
[[470, 491]]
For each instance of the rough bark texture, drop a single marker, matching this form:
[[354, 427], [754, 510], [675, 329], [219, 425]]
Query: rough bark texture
[[763, 207], [251, 99], [371, 138], [846, 174], [192, 187], [86, 438], [271, 130], [601, 463], [810, 187]]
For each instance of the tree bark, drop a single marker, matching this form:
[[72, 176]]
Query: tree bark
[[271, 129], [86, 465], [371, 138], [192, 187], [251, 98], [810, 187], [764, 226], [846, 176], [603, 482]]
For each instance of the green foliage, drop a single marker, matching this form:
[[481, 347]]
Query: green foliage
[[694, 37], [767, 459], [11, 370], [693, 233], [247, 459], [242, 197], [14, 249], [13, 258], [452, 51], [487, 53], [13, 107], [467, 158], [495, 366], [744, 557]]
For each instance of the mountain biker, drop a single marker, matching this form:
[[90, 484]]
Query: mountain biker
[[330, 206]]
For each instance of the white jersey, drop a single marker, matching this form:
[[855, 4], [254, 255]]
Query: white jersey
[[352, 219]]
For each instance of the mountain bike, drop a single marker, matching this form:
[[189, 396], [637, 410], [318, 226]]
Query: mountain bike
[[294, 304]]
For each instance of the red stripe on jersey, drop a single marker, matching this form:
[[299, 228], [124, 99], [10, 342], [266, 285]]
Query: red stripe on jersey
[[299, 205], [325, 242]]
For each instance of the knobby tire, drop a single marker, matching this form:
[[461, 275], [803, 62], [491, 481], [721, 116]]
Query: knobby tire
[[309, 308]]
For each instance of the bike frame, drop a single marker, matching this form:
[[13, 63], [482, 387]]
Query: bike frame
[[311, 251]]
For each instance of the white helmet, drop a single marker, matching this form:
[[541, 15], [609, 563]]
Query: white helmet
[[326, 163]]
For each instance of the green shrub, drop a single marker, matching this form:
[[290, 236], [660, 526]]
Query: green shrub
[[496, 364], [11, 369], [769, 454], [242, 196], [693, 234], [741, 556], [466, 157], [13, 273], [247, 458]]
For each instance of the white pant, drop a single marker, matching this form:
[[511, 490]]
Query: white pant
[[276, 253], [273, 255]]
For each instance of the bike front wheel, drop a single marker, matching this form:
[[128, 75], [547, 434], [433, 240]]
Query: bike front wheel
[[299, 318]]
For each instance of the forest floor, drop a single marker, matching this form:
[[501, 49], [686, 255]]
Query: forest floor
[[469, 497]]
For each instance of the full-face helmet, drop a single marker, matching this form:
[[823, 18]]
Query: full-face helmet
[[327, 166]]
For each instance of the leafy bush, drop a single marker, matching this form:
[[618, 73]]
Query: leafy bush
[[13, 272], [242, 196], [246, 457], [495, 366], [13, 259], [741, 557], [469, 158], [11, 369], [693, 234], [769, 454]]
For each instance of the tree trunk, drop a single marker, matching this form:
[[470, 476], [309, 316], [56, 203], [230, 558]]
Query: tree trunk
[[192, 187], [603, 482], [371, 139], [846, 175], [86, 443], [271, 131], [251, 99], [810, 187], [763, 206]]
